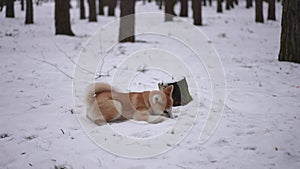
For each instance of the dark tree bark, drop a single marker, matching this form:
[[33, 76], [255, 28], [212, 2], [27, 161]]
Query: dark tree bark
[[183, 8], [10, 11], [271, 10], [290, 32], [101, 7], [219, 6], [173, 5], [29, 12], [111, 7], [210, 2], [169, 10], [82, 9], [127, 21], [160, 4], [236, 2], [204, 2], [197, 12], [1, 5], [22, 5], [62, 18], [249, 3], [259, 15], [92, 11], [229, 4]]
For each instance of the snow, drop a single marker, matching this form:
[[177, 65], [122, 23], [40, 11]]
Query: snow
[[39, 127]]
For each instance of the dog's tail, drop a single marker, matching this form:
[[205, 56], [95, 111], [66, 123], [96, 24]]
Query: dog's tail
[[94, 89]]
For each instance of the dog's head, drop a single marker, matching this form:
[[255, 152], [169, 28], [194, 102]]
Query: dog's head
[[161, 101]]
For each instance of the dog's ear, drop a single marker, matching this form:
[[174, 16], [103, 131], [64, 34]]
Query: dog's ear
[[168, 90]]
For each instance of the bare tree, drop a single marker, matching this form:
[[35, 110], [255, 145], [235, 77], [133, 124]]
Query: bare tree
[[29, 12], [62, 18], [112, 4], [183, 8], [249, 3], [271, 10], [290, 32], [209, 2], [259, 15], [100, 7], [219, 6], [127, 21], [160, 4], [92, 11], [22, 5], [82, 9], [1, 5], [169, 10], [229, 4], [197, 12], [10, 11]]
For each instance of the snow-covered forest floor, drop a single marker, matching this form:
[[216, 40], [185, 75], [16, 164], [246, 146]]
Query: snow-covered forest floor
[[39, 128]]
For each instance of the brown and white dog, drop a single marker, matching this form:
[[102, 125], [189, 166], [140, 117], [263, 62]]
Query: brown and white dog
[[104, 104]]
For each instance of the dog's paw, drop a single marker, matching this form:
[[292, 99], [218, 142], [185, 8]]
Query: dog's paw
[[156, 119]]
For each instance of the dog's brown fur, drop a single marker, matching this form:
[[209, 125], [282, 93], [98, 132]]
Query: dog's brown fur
[[104, 104]]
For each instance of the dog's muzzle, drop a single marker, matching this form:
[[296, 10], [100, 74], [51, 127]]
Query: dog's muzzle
[[169, 113]]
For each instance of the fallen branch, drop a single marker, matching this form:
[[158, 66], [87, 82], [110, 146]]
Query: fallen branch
[[70, 58], [53, 65]]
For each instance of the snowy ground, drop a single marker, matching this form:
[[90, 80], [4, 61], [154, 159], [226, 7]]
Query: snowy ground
[[39, 129]]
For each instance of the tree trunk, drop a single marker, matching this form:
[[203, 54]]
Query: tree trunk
[[197, 12], [92, 11], [1, 5], [101, 7], [249, 3], [62, 18], [210, 2], [173, 5], [82, 9], [290, 32], [204, 2], [236, 2], [10, 11], [219, 6], [259, 15], [22, 5], [229, 4], [183, 8], [271, 10], [160, 4], [127, 21], [29, 12], [111, 7], [169, 10]]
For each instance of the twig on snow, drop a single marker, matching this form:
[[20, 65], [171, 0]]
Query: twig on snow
[[70, 58], [53, 65]]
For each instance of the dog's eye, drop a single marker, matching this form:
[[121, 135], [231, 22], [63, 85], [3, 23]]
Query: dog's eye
[[156, 99]]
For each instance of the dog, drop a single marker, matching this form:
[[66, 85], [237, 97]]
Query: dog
[[105, 104]]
